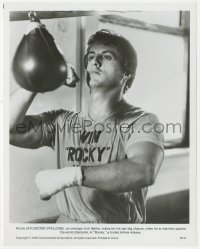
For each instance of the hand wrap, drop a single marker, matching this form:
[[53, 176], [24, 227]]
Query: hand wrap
[[49, 182]]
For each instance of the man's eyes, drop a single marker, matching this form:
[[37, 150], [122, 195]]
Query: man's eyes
[[107, 57], [90, 58], [104, 57]]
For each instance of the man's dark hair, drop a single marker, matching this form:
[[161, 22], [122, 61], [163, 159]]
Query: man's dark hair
[[127, 52]]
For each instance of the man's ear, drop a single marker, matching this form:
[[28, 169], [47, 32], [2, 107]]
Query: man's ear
[[126, 77]]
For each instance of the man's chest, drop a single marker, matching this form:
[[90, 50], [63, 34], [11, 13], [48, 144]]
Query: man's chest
[[91, 146]]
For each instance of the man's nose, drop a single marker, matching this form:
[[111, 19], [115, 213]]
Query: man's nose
[[97, 61]]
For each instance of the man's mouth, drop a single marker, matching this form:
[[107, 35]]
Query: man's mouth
[[95, 72]]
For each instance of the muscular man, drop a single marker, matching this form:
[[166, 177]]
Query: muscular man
[[109, 154]]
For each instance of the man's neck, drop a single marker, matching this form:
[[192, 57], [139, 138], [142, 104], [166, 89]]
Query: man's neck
[[101, 104]]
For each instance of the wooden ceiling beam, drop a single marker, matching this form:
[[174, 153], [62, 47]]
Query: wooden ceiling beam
[[23, 15]]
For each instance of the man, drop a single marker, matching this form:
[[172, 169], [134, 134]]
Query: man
[[108, 155]]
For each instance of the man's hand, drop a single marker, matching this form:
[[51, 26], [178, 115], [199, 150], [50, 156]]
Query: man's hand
[[72, 77], [49, 182]]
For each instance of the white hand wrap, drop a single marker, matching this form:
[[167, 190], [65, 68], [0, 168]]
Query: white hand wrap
[[49, 182], [73, 176]]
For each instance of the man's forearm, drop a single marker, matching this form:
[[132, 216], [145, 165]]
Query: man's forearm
[[121, 176], [138, 171], [20, 101]]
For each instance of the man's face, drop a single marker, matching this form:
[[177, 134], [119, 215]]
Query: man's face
[[104, 66]]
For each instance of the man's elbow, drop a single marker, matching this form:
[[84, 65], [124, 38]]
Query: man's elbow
[[150, 179], [150, 175], [23, 141]]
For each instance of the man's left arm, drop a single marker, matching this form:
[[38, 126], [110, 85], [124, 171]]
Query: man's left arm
[[137, 171]]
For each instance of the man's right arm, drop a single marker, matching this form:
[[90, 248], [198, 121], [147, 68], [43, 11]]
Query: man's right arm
[[21, 134]]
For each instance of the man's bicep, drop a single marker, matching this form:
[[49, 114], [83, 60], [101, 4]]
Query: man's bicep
[[27, 140], [32, 133], [146, 153]]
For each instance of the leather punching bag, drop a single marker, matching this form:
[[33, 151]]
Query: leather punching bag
[[38, 64]]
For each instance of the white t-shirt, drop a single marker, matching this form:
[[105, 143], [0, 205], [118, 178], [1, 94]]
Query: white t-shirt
[[78, 140]]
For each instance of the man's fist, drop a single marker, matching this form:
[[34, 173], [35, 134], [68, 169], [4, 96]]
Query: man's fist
[[49, 182]]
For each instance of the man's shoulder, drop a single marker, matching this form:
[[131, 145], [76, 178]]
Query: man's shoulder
[[132, 114], [58, 115]]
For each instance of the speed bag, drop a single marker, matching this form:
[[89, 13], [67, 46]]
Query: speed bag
[[38, 64]]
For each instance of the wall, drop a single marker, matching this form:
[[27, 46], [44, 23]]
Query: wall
[[169, 198], [174, 173]]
